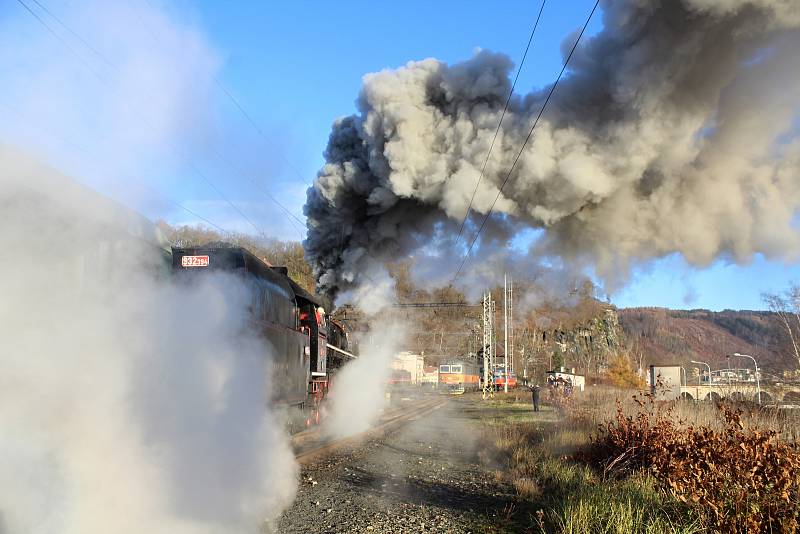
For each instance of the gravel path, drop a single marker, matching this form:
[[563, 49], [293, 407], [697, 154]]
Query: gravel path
[[427, 476]]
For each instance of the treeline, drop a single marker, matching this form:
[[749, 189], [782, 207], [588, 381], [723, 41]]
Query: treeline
[[755, 327]]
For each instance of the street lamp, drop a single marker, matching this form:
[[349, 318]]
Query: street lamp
[[758, 384], [709, 370]]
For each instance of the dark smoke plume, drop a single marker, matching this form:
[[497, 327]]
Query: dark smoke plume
[[676, 131]]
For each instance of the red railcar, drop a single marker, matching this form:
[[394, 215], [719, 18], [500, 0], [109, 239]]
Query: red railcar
[[500, 377]]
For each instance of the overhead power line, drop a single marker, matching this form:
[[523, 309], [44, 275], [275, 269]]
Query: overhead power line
[[261, 188], [435, 305], [525, 143], [500, 123], [75, 35], [131, 179], [175, 149], [60, 39], [257, 128], [105, 82]]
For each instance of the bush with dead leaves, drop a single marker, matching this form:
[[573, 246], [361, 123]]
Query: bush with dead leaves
[[738, 479]]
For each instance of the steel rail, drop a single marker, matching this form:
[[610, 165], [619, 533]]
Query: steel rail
[[321, 450]]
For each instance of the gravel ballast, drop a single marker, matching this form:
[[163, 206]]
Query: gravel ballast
[[429, 475]]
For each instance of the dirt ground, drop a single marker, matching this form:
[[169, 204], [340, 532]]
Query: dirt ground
[[430, 475]]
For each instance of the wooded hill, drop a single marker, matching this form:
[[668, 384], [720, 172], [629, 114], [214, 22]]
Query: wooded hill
[[666, 336]]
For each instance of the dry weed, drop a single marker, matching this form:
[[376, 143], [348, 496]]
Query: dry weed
[[738, 478]]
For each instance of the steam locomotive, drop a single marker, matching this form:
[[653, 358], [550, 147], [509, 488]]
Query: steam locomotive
[[94, 233], [307, 345], [87, 234]]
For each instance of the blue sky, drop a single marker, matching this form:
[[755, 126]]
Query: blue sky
[[295, 67]]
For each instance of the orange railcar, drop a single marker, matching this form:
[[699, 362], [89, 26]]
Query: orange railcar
[[458, 376]]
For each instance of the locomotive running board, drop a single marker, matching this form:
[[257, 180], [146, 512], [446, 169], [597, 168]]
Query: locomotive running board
[[337, 349]]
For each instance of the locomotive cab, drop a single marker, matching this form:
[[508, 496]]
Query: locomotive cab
[[313, 321], [458, 376]]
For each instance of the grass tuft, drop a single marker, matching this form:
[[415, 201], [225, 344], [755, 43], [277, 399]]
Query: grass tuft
[[559, 494]]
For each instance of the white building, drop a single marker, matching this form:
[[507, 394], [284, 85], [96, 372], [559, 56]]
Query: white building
[[665, 381], [413, 363]]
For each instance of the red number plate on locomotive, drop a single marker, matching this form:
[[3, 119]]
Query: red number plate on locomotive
[[194, 261]]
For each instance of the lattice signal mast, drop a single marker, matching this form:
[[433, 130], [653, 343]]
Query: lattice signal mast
[[508, 324], [488, 345], [510, 364], [505, 332]]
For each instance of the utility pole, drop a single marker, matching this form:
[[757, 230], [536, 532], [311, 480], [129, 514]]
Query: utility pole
[[488, 345], [505, 331], [493, 343], [485, 344], [511, 322], [758, 384]]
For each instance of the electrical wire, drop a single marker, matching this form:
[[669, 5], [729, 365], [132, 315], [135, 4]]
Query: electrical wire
[[194, 167], [105, 82], [130, 178], [257, 128], [499, 124], [61, 40], [75, 35], [524, 144]]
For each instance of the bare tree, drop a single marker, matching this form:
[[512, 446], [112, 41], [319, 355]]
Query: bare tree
[[794, 298], [787, 308]]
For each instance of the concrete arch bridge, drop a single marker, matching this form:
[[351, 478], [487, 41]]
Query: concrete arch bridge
[[770, 393], [668, 382]]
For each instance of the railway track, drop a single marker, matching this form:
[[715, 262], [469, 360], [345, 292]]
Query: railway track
[[312, 445]]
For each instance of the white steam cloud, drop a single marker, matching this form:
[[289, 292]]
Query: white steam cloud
[[358, 392], [128, 402], [675, 131], [118, 104], [358, 396]]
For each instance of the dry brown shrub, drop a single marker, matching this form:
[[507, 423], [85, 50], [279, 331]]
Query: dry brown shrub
[[738, 479]]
